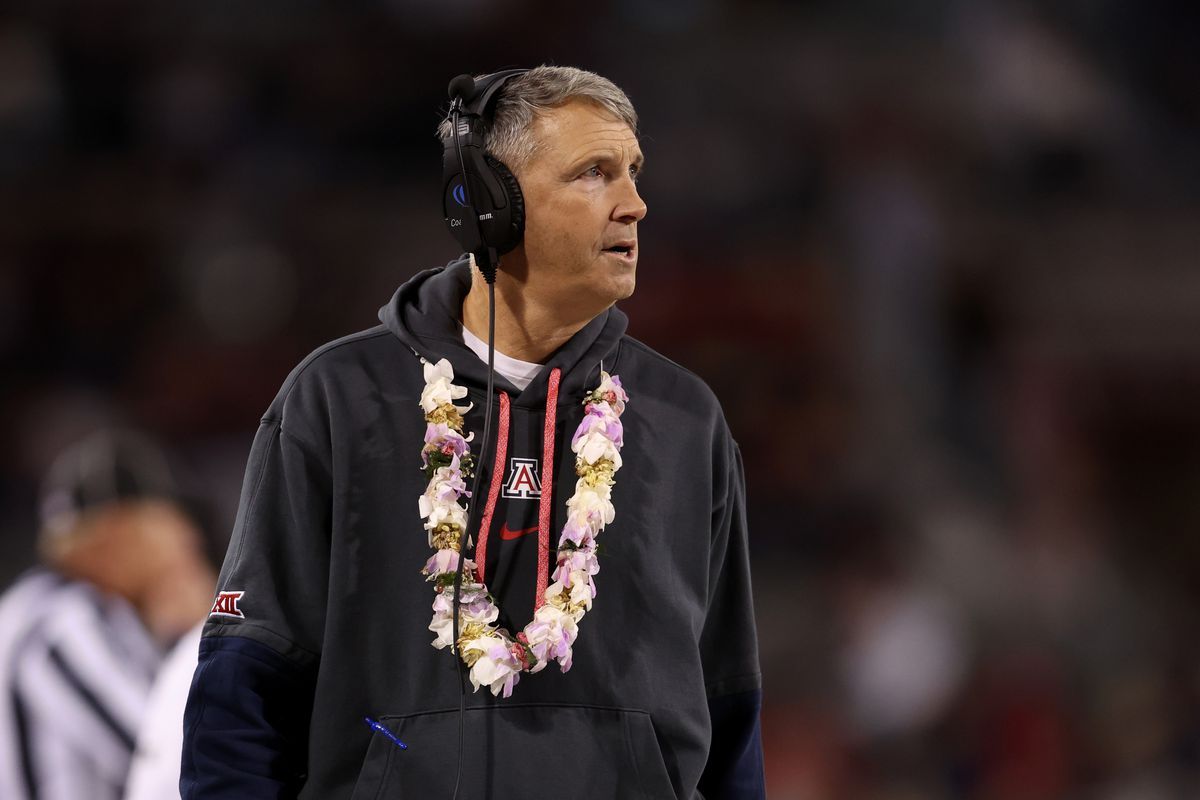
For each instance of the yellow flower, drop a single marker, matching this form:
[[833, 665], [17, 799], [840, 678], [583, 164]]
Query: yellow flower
[[601, 472], [563, 602], [469, 632], [448, 414], [559, 600], [447, 536]]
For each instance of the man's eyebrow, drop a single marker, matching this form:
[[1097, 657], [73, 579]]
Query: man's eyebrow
[[608, 157]]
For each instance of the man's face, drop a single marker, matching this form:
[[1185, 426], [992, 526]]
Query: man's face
[[581, 209]]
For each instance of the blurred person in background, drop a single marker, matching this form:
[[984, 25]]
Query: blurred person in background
[[81, 637], [323, 613], [154, 773]]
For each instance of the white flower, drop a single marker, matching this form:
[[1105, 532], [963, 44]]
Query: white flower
[[443, 626], [443, 491], [496, 668], [478, 610], [594, 446], [551, 635], [579, 594], [442, 370], [575, 561], [436, 513], [592, 502], [553, 616], [440, 389]]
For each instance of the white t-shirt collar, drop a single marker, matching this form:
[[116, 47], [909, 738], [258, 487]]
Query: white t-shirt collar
[[519, 373]]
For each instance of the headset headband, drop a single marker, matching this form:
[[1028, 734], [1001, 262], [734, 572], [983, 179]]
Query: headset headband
[[485, 88]]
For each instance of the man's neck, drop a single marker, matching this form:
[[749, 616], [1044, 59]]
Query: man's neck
[[526, 329]]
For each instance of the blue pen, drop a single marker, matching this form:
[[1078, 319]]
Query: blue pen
[[379, 727]]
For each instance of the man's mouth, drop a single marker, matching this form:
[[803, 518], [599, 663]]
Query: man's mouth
[[624, 250]]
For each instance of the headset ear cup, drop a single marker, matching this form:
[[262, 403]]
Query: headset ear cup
[[516, 205]]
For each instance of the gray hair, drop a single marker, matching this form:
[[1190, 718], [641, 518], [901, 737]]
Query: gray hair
[[523, 98]]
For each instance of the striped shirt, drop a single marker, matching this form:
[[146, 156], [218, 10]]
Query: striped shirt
[[76, 667]]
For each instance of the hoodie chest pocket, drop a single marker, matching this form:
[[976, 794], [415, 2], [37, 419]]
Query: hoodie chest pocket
[[513, 752]]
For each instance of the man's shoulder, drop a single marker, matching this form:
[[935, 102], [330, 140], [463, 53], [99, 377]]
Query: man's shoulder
[[348, 350], [662, 370], [650, 373], [337, 363]]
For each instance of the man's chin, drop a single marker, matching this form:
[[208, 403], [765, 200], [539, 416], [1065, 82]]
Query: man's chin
[[623, 285]]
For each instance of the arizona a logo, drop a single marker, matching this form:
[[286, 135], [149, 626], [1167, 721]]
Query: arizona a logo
[[523, 482], [227, 605]]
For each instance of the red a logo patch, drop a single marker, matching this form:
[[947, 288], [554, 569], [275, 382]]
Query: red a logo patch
[[227, 605], [523, 482]]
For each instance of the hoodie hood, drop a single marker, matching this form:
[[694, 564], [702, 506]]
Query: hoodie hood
[[425, 314]]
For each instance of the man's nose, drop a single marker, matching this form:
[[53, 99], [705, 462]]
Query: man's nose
[[631, 207]]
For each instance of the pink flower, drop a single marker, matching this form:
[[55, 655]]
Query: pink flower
[[518, 652]]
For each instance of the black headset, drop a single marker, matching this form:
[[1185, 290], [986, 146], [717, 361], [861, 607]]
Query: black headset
[[481, 199]]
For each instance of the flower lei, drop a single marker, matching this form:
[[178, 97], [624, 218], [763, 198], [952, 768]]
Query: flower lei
[[494, 656]]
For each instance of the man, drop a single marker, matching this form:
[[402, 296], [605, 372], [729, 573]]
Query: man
[[80, 640], [317, 678]]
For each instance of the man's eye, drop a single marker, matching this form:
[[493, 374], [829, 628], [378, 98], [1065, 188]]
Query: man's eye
[[635, 173], [593, 172]]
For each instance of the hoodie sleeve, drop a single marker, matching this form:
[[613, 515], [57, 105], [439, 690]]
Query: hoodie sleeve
[[729, 644], [247, 716]]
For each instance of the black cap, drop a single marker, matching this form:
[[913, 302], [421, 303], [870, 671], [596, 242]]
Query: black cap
[[106, 467]]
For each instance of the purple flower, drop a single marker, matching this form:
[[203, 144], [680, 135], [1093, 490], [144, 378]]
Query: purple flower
[[441, 561], [449, 489], [445, 439], [435, 431], [591, 422], [584, 561], [576, 532], [616, 432]]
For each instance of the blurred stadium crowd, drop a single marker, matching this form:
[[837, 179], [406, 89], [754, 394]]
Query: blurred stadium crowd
[[938, 260]]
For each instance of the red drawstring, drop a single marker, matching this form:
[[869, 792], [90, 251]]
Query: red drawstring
[[547, 490], [493, 487], [544, 507]]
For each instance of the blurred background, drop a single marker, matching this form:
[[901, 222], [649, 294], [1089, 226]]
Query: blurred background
[[939, 261]]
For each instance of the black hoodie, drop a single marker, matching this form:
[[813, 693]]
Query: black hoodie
[[322, 616]]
